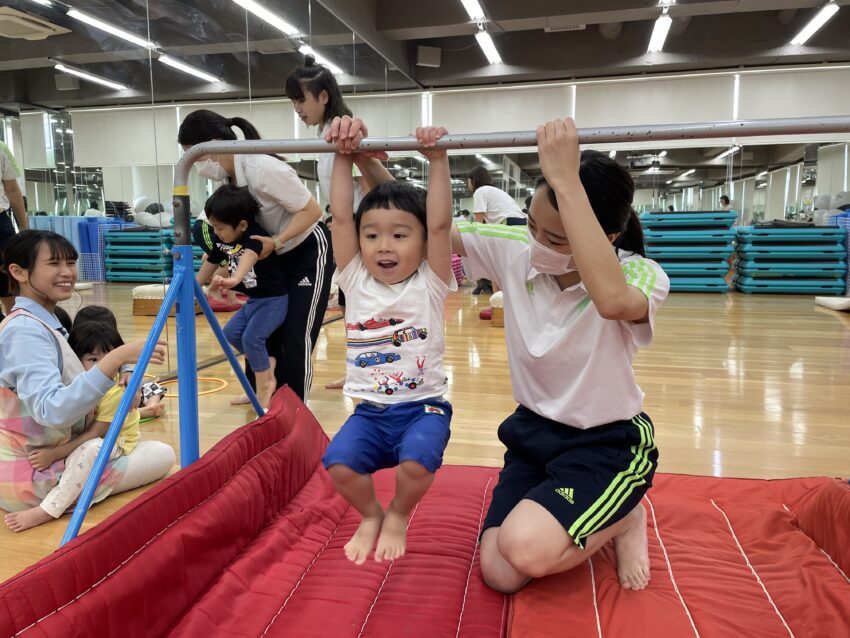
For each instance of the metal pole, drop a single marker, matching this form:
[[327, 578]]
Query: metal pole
[[228, 351], [650, 132], [90, 487], [187, 373]]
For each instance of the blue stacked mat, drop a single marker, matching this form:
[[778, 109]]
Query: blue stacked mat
[[692, 248], [791, 260], [142, 255]]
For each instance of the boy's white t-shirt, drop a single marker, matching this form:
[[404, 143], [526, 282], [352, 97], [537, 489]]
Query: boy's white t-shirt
[[495, 203], [567, 363], [395, 335], [278, 189]]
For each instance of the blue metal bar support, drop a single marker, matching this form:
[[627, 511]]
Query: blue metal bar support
[[228, 351], [133, 386], [187, 371]]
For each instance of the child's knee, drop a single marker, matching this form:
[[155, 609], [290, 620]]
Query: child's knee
[[342, 473], [528, 553], [414, 470]]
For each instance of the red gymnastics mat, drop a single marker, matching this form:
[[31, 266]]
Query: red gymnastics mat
[[248, 542]]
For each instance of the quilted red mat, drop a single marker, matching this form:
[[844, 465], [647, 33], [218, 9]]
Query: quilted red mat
[[729, 557], [248, 542]]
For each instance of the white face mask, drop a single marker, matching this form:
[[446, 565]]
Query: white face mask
[[211, 170], [549, 262]]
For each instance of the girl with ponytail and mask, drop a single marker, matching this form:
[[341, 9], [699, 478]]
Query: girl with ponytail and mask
[[580, 299], [317, 99], [300, 244]]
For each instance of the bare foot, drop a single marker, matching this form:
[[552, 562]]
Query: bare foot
[[393, 539], [265, 393], [336, 385], [152, 411], [33, 517], [632, 552], [240, 400], [357, 550]]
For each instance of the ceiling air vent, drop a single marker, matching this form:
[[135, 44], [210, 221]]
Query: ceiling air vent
[[19, 25]]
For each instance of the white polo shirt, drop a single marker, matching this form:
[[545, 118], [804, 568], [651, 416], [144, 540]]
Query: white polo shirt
[[8, 171], [567, 363], [496, 204], [278, 189]]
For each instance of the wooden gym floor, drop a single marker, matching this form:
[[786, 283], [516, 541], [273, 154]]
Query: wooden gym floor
[[737, 385]]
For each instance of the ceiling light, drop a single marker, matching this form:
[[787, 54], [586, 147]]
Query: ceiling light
[[105, 26], [762, 174], [90, 77], [306, 49], [43, 3], [476, 13], [267, 16], [814, 25], [419, 158], [730, 151], [487, 46], [662, 154], [687, 173], [182, 66], [69, 131], [659, 32], [612, 154], [669, 181]]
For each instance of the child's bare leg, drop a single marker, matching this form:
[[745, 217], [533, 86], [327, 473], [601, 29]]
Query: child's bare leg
[[33, 517], [412, 481], [359, 490], [266, 384]]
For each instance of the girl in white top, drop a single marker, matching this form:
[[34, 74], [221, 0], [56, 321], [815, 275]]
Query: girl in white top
[[492, 204], [580, 298], [290, 215], [317, 100]]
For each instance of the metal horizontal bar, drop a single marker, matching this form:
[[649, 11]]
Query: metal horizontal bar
[[604, 135]]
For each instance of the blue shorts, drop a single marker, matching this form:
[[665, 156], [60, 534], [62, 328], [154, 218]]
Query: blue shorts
[[377, 436]]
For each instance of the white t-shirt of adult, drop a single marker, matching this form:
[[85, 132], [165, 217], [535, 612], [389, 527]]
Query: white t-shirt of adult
[[395, 335], [8, 171], [496, 204], [567, 363], [324, 169], [278, 189]]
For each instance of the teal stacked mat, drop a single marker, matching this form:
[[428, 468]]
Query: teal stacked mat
[[810, 261], [142, 255], [692, 248]]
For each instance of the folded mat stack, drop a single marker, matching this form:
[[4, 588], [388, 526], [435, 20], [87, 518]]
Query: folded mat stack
[[811, 261], [142, 255], [248, 542], [692, 248]]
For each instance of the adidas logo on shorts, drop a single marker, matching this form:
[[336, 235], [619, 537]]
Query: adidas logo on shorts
[[305, 282], [567, 493]]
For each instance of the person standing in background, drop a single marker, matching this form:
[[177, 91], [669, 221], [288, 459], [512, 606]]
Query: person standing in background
[[11, 200]]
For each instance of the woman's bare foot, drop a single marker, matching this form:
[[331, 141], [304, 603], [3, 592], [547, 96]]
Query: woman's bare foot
[[632, 552], [152, 411], [240, 400], [393, 539], [336, 385], [357, 550], [33, 517]]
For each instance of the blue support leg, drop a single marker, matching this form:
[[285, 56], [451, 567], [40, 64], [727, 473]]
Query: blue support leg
[[228, 351], [133, 386], [187, 372]]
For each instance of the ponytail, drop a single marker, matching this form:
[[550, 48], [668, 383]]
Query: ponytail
[[631, 239], [316, 78], [249, 132]]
